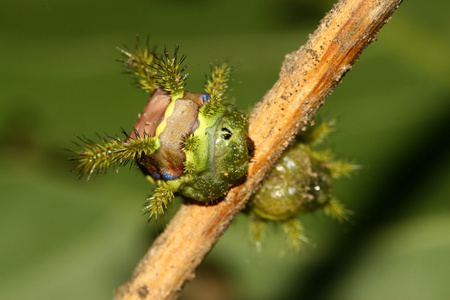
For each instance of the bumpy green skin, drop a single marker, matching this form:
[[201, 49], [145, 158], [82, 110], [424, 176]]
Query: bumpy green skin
[[227, 156], [300, 182]]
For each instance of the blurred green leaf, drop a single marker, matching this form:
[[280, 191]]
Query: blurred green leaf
[[65, 238]]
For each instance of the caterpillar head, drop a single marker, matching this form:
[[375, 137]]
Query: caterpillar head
[[222, 157]]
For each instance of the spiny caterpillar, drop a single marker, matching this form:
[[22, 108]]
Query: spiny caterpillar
[[300, 182], [190, 143]]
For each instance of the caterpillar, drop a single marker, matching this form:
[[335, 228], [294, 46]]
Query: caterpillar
[[194, 144]]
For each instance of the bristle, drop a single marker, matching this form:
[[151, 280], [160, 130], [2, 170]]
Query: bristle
[[295, 235], [158, 202], [212, 107], [335, 209], [191, 143], [341, 168], [169, 73], [189, 168], [257, 231], [315, 135], [140, 64], [111, 151], [217, 83]]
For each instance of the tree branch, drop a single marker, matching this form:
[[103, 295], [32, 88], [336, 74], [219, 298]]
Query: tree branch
[[307, 77]]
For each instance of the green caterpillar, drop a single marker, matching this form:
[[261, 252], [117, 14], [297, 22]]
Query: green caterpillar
[[197, 145], [300, 182], [194, 144]]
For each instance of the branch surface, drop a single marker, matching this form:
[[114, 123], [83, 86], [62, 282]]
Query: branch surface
[[307, 77]]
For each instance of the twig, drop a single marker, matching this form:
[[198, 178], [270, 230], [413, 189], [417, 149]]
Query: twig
[[307, 77]]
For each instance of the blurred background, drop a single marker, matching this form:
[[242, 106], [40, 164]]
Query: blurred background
[[64, 238]]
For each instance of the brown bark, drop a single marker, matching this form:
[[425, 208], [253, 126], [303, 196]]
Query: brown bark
[[307, 77]]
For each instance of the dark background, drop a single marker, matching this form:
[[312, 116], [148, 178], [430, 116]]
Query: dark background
[[63, 238]]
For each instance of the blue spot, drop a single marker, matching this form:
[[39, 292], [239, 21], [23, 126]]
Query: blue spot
[[168, 176], [205, 97], [156, 176]]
